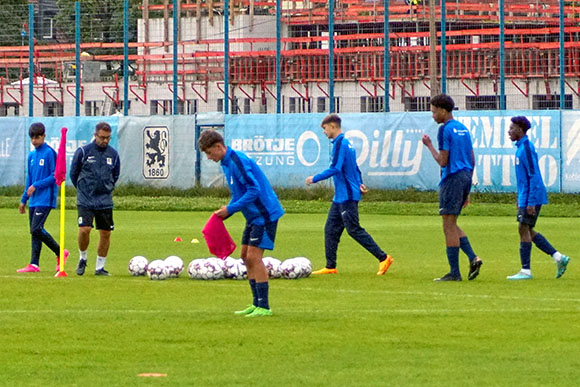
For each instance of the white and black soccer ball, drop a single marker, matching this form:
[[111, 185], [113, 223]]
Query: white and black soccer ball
[[175, 266], [273, 266], [157, 270], [214, 269], [138, 265], [290, 269], [235, 269], [196, 268]]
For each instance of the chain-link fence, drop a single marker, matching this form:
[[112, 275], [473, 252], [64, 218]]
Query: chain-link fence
[[147, 57]]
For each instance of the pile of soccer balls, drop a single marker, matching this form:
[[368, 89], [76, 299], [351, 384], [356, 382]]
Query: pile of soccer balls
[[159, 269], [215, 268]]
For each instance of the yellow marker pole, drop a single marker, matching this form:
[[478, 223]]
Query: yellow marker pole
[[61, 272]]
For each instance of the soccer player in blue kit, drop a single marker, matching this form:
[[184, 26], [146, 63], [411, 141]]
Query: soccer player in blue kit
[[40, 193], [253, 195], [348, 190], [457, 161], [531, 195]]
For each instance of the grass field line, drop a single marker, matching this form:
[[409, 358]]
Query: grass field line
[[358, 311]]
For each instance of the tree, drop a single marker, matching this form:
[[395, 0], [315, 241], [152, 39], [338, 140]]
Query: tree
[[14, 18], [101, 20]]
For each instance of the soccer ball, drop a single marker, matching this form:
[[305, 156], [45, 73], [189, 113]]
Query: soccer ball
[[214, 269], [305, 266], [196, 268], [157, 270], [273, 266], [175, 265], [138, 265], [235, 269], [291, 269]]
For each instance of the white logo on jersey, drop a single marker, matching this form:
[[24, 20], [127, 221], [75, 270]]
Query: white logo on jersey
[[41, 162], [109, 161]]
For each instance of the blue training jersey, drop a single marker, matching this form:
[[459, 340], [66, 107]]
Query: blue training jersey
[[454, 138], [41, 163], [531, 188], [251, 191], [343, 170]]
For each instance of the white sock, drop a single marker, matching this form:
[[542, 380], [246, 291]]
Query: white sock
[[557, 256], [526, 271], [100, 263], [83, 255]]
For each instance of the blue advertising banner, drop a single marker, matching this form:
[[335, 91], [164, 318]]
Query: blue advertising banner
[[495, 152], [571, 151], [13, 151], [390, 152]]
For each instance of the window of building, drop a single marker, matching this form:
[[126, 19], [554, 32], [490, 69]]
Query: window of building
[[247, 106], [417, 104], [191, 106], [92, 108], [48, 28], [320, 104], [550, 102], [220, 105], [264, 106], [161, 107], [482, 102], [53, 109], [370, 104], [299, 105], [9, 109]]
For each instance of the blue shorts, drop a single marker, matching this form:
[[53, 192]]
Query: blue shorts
[[525, 218], [454, 192], [261, 236]]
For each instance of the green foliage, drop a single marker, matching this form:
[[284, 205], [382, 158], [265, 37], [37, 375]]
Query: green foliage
[[101, 20], [14, 16], [312, 200], [350, 329]]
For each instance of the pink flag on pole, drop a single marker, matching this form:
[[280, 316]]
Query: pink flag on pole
[[60, 170], [217, 237]]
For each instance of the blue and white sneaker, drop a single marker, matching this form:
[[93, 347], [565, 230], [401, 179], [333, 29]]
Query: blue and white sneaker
[[522, 275], [562, 265]]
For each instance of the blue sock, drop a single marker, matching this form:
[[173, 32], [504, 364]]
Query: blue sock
[[466, 248], [262, 291], [254, 292], [453, 258], [525, 254], [543, 244]]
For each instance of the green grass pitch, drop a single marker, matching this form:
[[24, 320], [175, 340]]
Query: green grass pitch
[[350, 329]]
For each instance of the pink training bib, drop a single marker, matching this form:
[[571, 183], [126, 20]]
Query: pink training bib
[[217, 237]]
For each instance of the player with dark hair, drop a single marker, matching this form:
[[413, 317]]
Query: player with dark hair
[[457, 161], [255, 198], [348, 190], [95, 169], [41, 190], [531, 196]]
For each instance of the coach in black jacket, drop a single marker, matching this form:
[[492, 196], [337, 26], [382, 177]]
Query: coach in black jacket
[[94, 171]]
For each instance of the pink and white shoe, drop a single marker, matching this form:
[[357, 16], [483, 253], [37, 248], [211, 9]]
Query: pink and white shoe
[[66, 253], [30, 268]]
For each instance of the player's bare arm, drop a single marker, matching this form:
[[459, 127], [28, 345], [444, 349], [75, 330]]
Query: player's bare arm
[[22, 208], [309, 180], [442, 158]]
